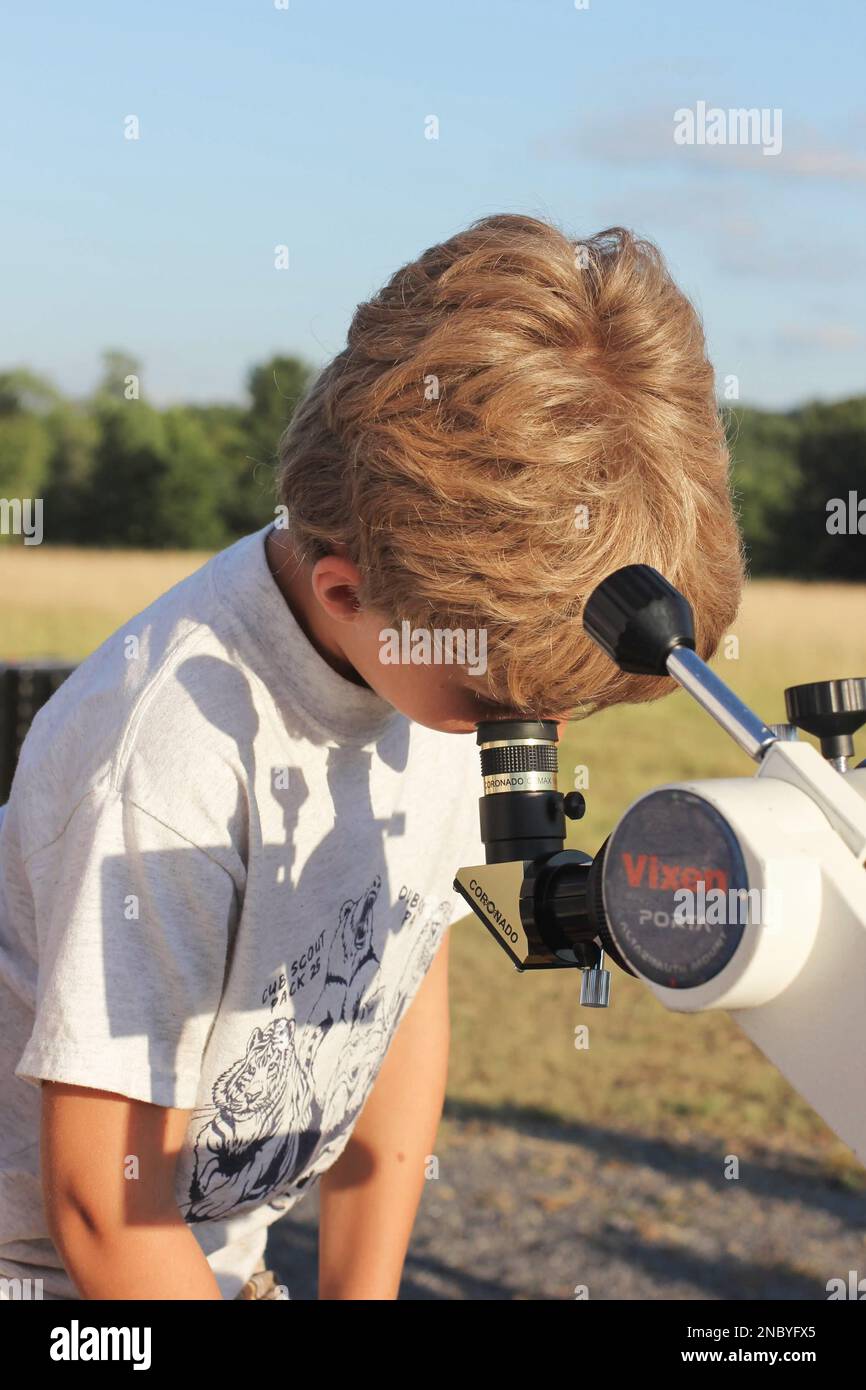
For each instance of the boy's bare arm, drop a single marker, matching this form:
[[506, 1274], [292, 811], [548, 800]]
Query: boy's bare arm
[[369, 1198], [119, 1236]]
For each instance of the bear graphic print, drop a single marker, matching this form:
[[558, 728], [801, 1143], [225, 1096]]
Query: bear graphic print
[[282, 1113]]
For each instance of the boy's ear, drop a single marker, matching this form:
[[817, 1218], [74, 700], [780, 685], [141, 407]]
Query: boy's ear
[[335, 580]]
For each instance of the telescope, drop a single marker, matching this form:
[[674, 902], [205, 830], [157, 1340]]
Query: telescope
[[746, 893]]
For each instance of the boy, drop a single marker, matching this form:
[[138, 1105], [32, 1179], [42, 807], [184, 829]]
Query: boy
[[226, 862]]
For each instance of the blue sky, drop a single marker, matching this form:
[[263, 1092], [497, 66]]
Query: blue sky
[[304, 126]]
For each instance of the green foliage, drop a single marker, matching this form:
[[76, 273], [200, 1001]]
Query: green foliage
[[22, 392], [765, 475], [25, 445], [831, 458], [274, 387], [786, 470], [120, 372], [192, 492], [25, 440], [129, 465], [74, 433], [116, 471]]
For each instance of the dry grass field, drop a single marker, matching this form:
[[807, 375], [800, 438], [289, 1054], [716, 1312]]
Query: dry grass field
[[646, 1071]]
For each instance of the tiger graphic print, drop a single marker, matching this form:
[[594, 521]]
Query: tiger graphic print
[[283, 1112]]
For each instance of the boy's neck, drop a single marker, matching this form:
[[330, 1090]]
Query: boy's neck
[[292, 577]]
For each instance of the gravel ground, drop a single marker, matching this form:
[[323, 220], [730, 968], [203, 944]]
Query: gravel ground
[[525, 1210]]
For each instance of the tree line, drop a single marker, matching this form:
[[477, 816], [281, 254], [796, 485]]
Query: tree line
[[200, 476]]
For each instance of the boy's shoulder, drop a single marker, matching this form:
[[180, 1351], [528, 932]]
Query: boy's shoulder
[[162, 700]]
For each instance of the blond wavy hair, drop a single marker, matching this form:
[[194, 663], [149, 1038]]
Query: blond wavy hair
[[515, 415]]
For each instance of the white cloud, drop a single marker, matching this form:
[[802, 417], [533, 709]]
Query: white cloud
[[831, 337], [815, 262], [645, 136]]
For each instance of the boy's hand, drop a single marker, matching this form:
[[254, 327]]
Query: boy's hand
[[108, 1173]]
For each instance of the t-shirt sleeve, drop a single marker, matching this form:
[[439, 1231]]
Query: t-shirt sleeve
[[133, 931]]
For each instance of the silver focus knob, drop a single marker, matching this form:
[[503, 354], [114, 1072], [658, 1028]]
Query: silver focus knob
[[595, 986], [786, 732]]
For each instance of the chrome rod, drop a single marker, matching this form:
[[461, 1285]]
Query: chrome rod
[[710, 691]]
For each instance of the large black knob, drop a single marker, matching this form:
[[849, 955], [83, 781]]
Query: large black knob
[[637, 617], [831, 710]]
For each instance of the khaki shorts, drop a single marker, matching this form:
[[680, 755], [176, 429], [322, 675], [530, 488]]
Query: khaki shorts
[[262, 1283]]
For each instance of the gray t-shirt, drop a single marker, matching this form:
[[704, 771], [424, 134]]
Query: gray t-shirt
[[224, 872]]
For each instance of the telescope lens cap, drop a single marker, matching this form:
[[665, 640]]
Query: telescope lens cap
[[675, 889]]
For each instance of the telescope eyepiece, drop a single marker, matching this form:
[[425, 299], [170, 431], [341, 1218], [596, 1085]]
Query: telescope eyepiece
[[521, 810], [518, 755]]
